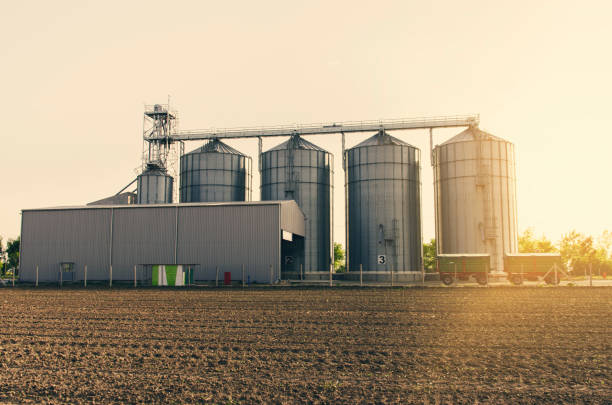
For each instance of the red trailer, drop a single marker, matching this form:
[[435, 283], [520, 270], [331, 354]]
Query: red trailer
[[534, 267]]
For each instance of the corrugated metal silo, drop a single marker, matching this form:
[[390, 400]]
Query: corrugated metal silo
[[301, 171], [383, 206], [215, 172], [154, 186], [475, 196]]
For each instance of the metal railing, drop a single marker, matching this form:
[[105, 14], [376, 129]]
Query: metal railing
[[328, 128]]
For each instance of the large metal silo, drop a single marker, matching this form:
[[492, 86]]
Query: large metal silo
[[383, 186], [475, 196], [215, 172], [154, 186], [301, 171]]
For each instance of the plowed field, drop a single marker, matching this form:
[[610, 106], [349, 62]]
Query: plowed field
[[433, 345]]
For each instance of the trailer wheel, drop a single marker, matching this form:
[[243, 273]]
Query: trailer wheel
[[551, 280], [447, 279], [516, 279], [482, 280]]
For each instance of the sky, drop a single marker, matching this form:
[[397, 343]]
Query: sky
[[75, 76]]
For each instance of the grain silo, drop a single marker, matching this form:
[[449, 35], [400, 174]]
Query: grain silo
[[154, 186], [301, 171], [475, 196], [215, 172], [383, 206]]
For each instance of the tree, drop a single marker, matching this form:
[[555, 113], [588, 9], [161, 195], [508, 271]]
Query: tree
[[527, 243], [12, 251], [429, 255], [579, 253], [339, 262]]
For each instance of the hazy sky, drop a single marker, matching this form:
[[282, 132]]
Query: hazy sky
[[75, 75]]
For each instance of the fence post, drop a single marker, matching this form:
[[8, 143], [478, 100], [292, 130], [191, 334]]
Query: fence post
[[590, 274], [134, 276], [301, 273], [243, 276], [391, 275], [13, 277], [36, 275], [85, 281], [110, 275], [217, 278], [361, 275], [423, 276]]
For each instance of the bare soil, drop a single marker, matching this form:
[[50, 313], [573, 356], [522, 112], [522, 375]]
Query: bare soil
[[404, 345]]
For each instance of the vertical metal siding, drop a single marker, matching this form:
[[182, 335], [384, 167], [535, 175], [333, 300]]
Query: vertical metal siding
[[142, 236], [79, 236], [473, 178], [383, 187], [228, 237], [225, 236]]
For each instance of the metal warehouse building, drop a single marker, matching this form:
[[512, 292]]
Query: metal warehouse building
[[110, 240]]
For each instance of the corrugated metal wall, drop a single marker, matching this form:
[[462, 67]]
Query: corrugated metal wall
[[227, 236], [233, 236], [142, 236], [79, 236]]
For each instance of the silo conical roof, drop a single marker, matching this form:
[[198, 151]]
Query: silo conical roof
[[381, 138], [216, 146], [471, 134], [297, 142]]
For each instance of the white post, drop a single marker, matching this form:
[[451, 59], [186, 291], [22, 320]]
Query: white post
[[134, 276], [361, 275], [110, 275], [85, 280], [243, 276], [217, 278], [36, 275]]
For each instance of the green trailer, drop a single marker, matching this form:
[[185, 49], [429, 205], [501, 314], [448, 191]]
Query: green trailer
[[453, 267], [533, 267]]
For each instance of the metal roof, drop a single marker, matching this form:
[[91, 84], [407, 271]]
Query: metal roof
[[297, 142], [216, 146], [196, 204], [381, 138], [471, 134]]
